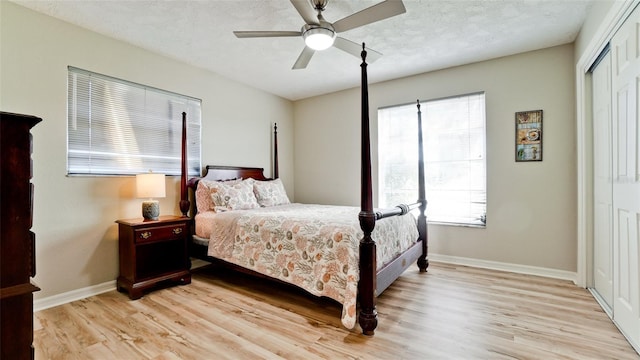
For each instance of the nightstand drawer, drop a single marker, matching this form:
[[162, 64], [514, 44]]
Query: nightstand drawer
[[160, 233]]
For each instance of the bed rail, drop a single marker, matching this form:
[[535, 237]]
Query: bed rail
[[398, 210]]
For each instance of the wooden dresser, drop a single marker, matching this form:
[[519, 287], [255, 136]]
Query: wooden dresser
[[17, 242]]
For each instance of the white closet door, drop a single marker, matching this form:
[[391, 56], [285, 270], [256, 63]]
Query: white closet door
[[625, 52], [602, 185]]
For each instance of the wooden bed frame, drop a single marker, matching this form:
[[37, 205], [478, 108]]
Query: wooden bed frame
[[372, 282]]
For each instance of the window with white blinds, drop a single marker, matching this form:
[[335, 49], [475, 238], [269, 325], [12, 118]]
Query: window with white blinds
[[116, 127], [454, 138]]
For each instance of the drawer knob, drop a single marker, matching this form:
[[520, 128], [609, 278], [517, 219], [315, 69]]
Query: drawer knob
[[177, 231], [145, 235]]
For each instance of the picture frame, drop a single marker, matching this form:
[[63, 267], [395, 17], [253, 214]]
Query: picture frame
[[529, 135]]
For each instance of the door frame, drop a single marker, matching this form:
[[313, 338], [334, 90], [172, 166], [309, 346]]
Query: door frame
[[618, 12]]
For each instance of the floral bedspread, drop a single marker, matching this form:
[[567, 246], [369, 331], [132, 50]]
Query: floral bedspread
[[315, 247]]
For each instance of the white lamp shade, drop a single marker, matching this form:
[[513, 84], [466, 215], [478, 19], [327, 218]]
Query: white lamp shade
[[319, 38], [150, 185]]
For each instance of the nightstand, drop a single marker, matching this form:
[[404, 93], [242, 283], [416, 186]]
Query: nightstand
[[152, 252]]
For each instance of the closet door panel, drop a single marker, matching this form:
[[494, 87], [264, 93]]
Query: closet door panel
[[625, 47], [602, 182]]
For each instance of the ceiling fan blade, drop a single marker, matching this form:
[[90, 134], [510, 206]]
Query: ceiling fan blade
[[380, 11], [306, 11], [304, 58], [355, 49], [258, 34]]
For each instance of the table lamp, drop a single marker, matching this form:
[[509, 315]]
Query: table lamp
[[149, 186]]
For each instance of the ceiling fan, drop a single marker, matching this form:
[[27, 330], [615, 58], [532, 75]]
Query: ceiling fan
[[320, 34]]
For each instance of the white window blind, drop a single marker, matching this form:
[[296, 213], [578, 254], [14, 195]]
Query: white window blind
[[454, 137], [116, 127]]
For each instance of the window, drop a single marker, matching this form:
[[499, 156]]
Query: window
[[454, 154], [116, 127]]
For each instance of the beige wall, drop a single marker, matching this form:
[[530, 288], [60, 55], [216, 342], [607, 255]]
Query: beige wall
[[74, 216], [530, 206]]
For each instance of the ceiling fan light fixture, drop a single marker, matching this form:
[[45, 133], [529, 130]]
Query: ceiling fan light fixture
[[319, 38]]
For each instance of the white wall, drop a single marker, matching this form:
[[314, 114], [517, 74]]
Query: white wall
[[530, 206], [76, 237]]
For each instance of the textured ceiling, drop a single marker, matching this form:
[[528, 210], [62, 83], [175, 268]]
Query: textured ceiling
[[431, 35]]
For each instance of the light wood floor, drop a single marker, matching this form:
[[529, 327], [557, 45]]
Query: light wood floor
[[451, 312]]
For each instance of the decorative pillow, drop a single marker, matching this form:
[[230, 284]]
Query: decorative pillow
[[270, 193], [235, 197], [203, 193]]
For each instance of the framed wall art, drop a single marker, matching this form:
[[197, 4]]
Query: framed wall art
[[529, 135]]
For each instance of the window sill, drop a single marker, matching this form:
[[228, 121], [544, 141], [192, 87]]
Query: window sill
[[444, 223]]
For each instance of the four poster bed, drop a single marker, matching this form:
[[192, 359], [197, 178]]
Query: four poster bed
[[245, 220]]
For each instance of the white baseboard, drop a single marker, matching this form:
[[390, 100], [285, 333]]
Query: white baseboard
[[79, 294], [73, 295], [515, 268]]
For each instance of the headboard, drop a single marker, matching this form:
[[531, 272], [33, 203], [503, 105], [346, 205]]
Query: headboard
[[217, 173], [220, 173]]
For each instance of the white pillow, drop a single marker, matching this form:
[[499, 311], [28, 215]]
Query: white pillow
[[234, 197], [270, 193], [203, 193]]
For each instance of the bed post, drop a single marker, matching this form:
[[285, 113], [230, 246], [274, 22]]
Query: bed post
[[423, 262], [184, 200], [368, 317], [275, 150]]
